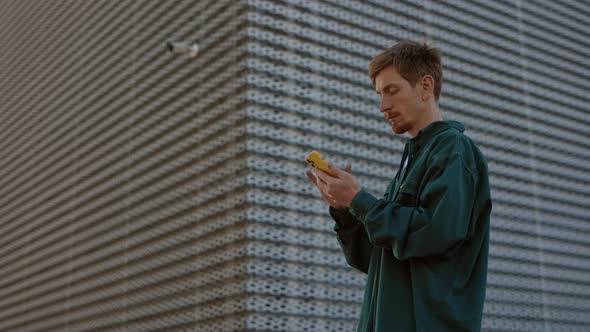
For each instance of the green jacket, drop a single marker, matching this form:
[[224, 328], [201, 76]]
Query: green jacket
[[424, 245]]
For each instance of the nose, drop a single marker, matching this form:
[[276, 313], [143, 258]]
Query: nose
[[385, 105]]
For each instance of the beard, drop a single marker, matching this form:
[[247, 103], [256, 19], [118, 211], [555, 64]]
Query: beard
[[399, 128]]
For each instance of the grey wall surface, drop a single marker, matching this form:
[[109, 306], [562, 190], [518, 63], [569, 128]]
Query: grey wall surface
[[122, 186], [145, 191]]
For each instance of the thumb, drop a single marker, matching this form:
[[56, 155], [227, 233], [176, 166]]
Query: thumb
[[348, 167]]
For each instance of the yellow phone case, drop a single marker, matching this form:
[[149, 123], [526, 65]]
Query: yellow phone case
[[314, 159]]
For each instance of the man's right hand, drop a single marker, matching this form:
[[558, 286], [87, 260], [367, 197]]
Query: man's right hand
[[328, 199]]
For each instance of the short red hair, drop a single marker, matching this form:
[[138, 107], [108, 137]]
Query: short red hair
[[413, 60]]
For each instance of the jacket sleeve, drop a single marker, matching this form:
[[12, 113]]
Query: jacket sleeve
[[440, 219], [352, 238]]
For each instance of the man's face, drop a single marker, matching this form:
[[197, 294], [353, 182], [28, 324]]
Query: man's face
[[401, 103]]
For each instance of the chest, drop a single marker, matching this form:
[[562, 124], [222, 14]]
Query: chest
[[406, 187]]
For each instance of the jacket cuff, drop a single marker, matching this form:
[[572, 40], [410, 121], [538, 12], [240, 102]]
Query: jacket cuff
[[361, 204], [342, 217]]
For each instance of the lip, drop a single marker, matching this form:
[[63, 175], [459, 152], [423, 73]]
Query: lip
[[392, 117]]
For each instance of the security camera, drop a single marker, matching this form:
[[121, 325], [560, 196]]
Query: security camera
[[183, 48]]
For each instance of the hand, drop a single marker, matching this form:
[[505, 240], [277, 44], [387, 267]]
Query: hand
[[337, 191]]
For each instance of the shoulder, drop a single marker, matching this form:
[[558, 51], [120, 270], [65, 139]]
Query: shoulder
[[452, 144], [449, 143]]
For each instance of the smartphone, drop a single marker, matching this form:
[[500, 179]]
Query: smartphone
[[314, 159]]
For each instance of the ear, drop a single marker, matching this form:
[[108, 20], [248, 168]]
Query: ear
[[427, 87]]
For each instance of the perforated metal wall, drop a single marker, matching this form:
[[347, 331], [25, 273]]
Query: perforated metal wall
[[122, 186], [515, 75], [144, 191]]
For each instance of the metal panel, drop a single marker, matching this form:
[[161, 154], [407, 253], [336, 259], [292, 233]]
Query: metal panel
[[111, 218], [144, 191], [514, 75]]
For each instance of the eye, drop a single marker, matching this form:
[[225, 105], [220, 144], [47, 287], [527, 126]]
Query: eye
[[391, 91]]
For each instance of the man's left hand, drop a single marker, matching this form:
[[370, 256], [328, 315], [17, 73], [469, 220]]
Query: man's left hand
[[341, 189]]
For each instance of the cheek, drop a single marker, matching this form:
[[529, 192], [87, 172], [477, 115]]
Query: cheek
[[401, 102], [387, 101]]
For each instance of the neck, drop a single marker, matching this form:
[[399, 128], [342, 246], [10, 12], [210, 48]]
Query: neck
[[431, 115]]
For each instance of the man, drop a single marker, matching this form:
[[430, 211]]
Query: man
[[424, 244]]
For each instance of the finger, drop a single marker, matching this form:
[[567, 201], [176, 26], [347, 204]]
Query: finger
[[322, 186], [333, 168], [318, 177], [327, 197], [348, 167], [325, 193], [325, 177], [311, 177]]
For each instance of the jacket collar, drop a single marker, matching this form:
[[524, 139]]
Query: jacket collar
[[431, 130]]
